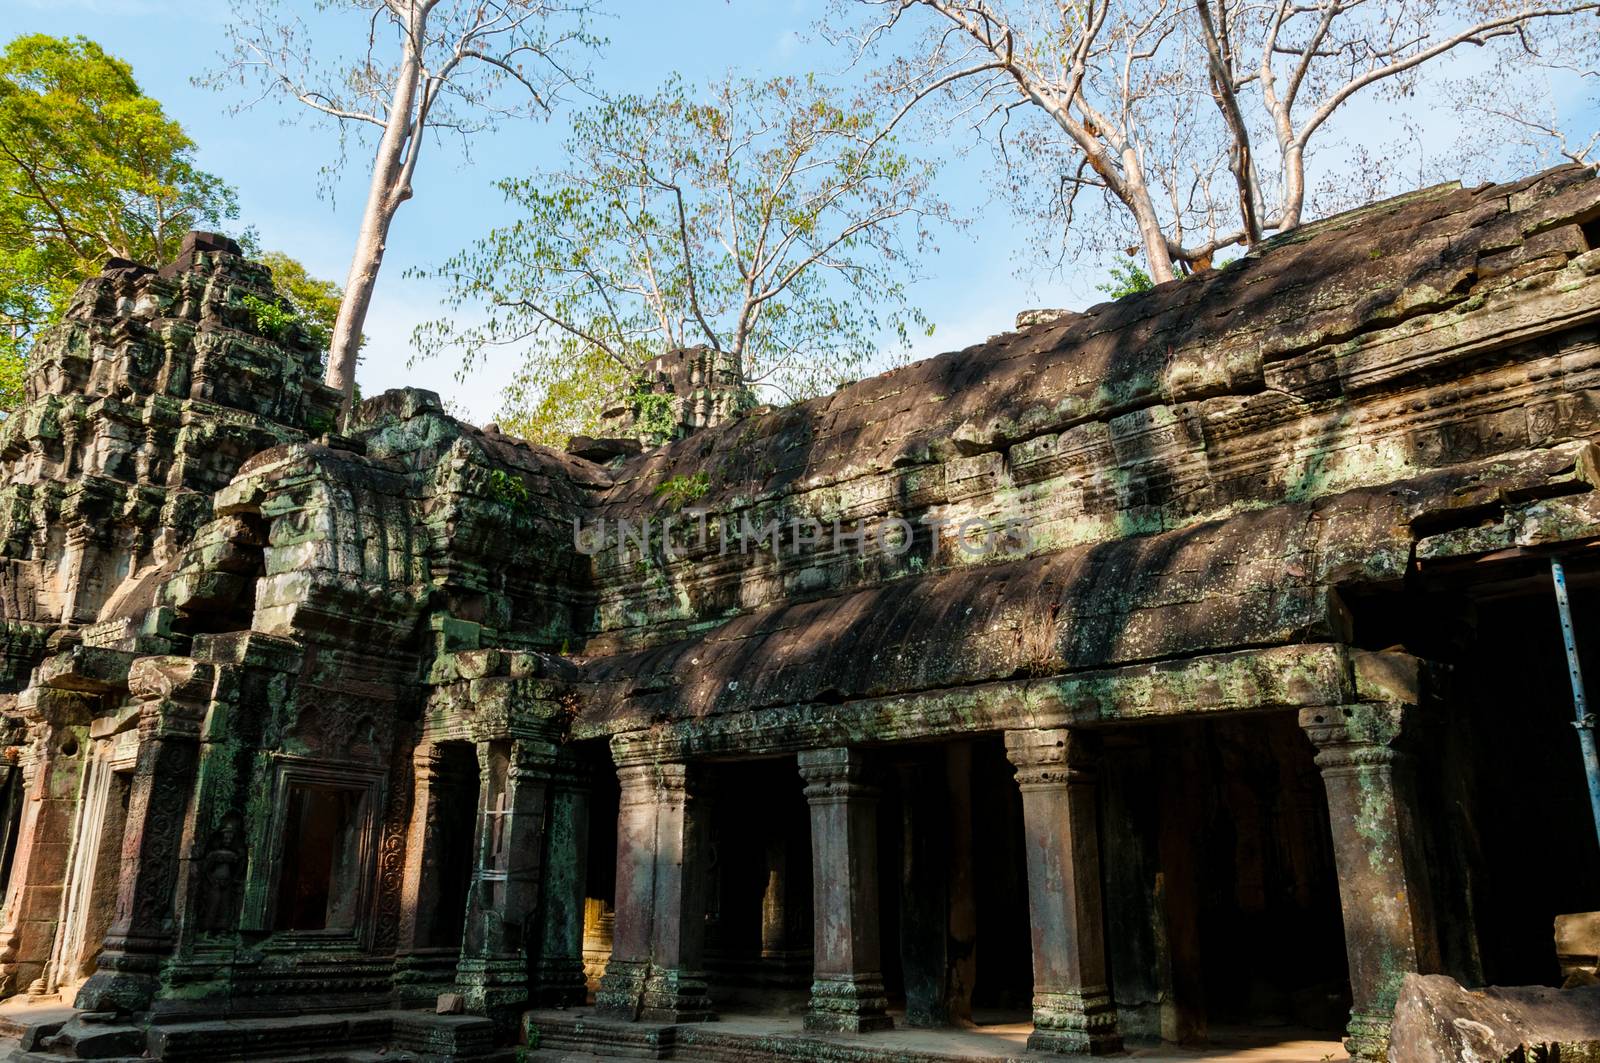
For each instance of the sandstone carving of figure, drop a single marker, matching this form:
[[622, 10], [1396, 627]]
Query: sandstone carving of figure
[[222, 874]]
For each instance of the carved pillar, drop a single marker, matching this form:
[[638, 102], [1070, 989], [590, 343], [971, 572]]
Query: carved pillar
[[774, 900], [657, 948], [1383, 879], [503, 901], [143, 932], [33, 894], [847, 982], [558, 973], [622, 986], [1072, 1006], [424, 964]]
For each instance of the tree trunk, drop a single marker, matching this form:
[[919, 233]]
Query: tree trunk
[[1294, 187], [383, 198], [1144, 215]]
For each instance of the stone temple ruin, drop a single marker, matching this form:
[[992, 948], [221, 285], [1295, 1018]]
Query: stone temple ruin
[[1183, 664]]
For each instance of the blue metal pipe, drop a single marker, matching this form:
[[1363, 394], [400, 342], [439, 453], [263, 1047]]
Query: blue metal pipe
[[1585, 720]]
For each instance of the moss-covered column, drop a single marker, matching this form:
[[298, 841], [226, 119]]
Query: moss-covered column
[[503, 901], [847, 980], [675, 991], [657, 948], [1363, 751], [1072, 1006], [558, 973], [174, 692]]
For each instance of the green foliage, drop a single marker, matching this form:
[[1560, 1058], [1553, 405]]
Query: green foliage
[[509, 490], [653, 415], [90, 168], [271, 319], [679, 491], [550, 405], [1127, 278], [315, 301], [766, 219], [13, 371]]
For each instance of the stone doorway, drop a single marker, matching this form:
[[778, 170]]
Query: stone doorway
[[600, 879], [94, 869], [1221, 895], [1513, 843], [758, 897], [955, 889]]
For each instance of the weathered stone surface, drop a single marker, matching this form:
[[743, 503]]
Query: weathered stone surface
[[1436, 1020], [392, 644], [1578, 948]]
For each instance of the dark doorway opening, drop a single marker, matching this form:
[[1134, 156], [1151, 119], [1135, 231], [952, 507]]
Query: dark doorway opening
[[1221, 893], [1502, 781], [955, 906], [600, 879], [458, 816], [759, 896], [317, 886]]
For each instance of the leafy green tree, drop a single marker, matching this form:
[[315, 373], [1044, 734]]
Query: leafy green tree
[[12, 370], [1127, 278], [772, 221], [315, 301], [90, 168]]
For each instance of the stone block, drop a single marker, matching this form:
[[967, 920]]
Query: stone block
[[1578, 947], [1437, 1020], [450, 1004]]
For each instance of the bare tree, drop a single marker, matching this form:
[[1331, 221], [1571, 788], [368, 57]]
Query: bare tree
[[776, 222], [1195, 118], [454, 66]]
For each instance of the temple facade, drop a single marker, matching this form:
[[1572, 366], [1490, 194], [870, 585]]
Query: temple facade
[[1184, 664]]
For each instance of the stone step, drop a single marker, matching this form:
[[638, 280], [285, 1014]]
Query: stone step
[[363, 1037], [18, 1017], [580, 1034], [582, 1039], [237, 1039]]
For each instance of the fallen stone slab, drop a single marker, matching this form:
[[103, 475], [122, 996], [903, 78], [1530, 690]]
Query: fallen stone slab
[[1438, 1020]]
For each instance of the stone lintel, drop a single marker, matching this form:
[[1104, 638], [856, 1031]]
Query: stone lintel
[[1276, 678], [88, 669]]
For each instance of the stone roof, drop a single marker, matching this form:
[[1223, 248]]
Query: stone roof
[[1201, 467]]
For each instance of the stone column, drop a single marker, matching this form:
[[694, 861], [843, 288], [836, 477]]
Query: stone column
[[502, 904], [33, 895], [143, 933], [847, 982], [1072, 1006], [558, 973], [1383, 878], [786, 906], [423, 964], [655, 972]]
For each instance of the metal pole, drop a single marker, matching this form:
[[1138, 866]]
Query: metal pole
[[1585, 720]]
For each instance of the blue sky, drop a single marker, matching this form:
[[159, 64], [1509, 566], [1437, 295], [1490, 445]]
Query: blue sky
[[971, 289]]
